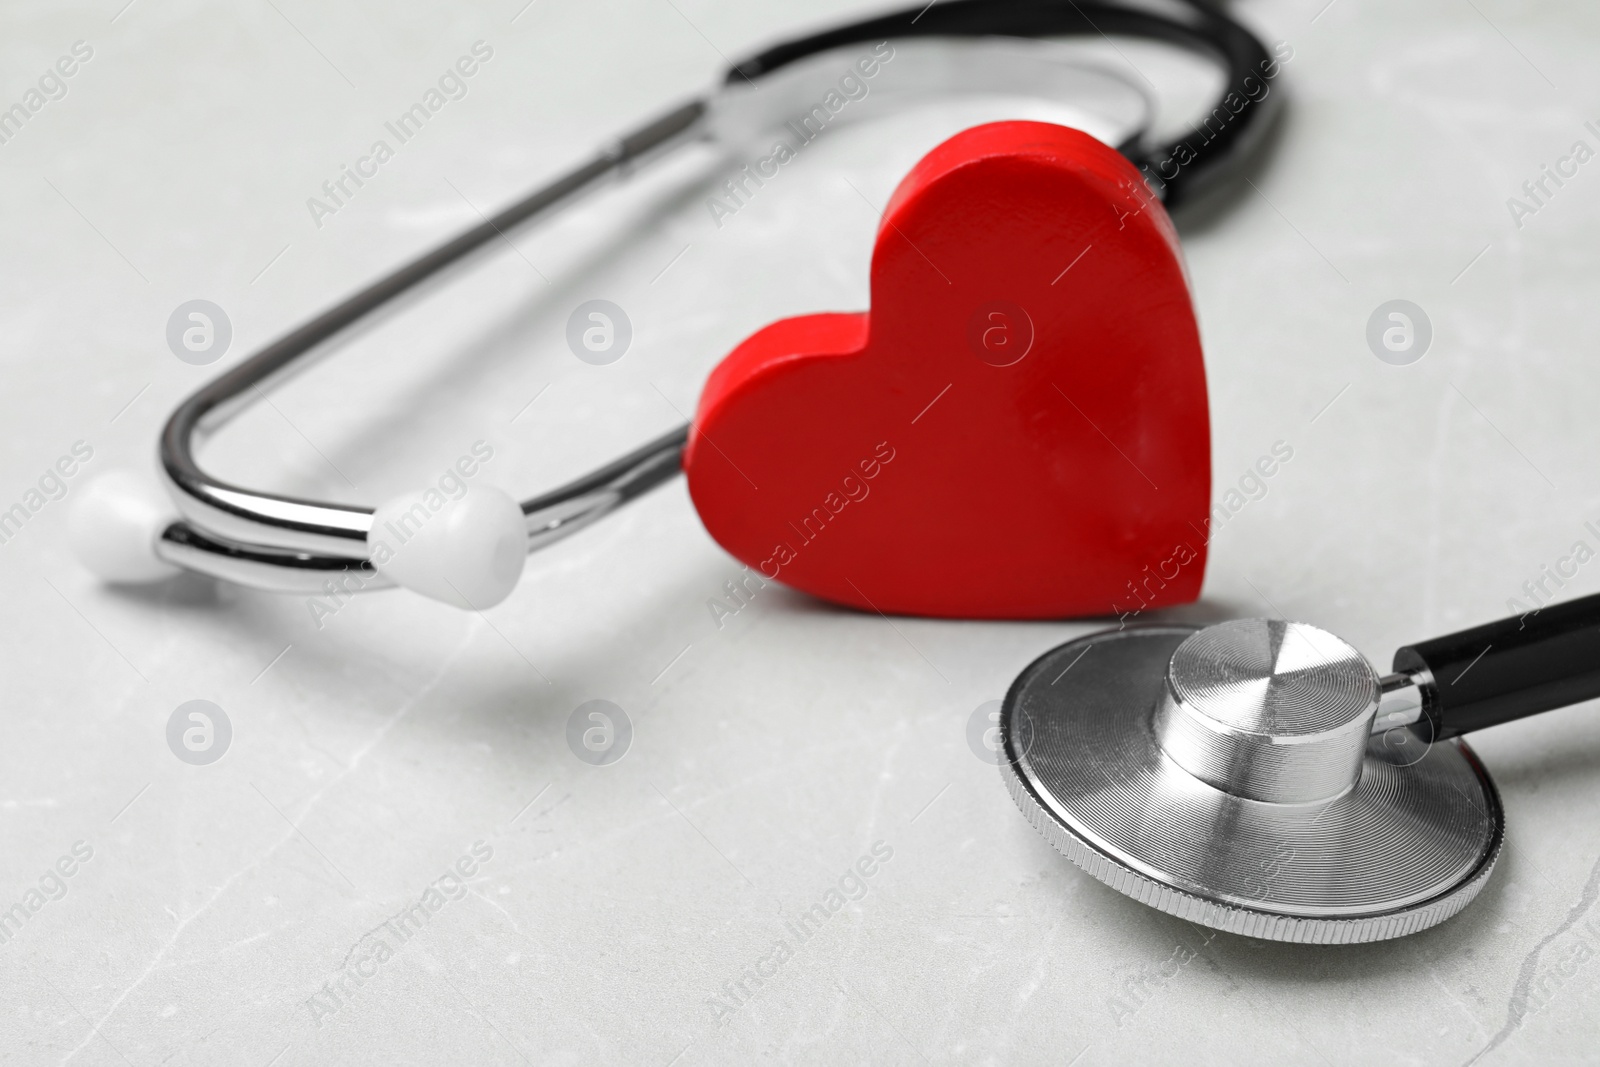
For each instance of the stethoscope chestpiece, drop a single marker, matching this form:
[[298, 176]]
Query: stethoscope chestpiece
[[1231, 776]]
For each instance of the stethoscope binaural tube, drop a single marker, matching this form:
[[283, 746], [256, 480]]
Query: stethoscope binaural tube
[[1260, 777], [278, 542]]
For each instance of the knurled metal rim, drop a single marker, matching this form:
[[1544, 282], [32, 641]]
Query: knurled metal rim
[[1240, 920], [1249, 922]]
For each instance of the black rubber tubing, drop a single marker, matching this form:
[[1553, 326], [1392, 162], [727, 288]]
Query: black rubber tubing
[[1178, 170], [1509, 669]]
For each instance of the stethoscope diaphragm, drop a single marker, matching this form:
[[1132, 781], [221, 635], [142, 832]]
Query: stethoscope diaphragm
[[1109, 742]]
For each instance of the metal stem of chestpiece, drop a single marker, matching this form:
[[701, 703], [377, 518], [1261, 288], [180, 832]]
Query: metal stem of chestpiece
[[1401, 700]]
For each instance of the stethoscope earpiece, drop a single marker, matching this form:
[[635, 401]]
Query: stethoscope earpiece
[[114, 524], [467, 551]]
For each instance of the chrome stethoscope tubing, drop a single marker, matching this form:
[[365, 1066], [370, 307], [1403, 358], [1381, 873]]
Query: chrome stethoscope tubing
[[290, 544]]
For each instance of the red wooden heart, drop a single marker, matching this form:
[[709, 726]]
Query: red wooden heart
[[1018, 427]]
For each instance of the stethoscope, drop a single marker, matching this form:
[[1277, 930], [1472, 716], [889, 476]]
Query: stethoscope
[[1255, 776]]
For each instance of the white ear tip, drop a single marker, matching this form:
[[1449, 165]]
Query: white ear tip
[[113, 524], [468, 551]]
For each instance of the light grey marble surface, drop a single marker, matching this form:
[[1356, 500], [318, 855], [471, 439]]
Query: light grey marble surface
[[372, 754]]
